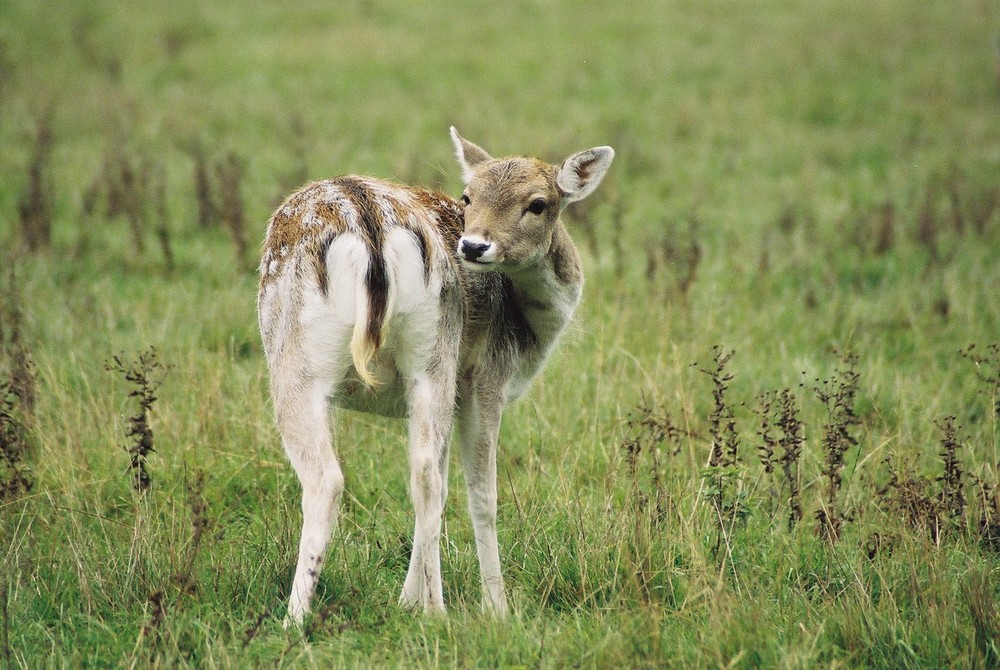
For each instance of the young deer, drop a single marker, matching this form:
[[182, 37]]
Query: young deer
[[403, 302]]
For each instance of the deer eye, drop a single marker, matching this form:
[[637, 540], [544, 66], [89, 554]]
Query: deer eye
[[465, 200], [537, 206]]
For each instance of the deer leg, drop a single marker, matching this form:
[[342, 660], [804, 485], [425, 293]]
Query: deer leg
[[303, 419], [430, 403], [479, 427]]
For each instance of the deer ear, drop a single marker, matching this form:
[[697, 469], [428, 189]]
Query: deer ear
[[469, 155], [580, 174]]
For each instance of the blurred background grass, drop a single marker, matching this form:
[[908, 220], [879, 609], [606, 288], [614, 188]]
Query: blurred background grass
[[790, 178]]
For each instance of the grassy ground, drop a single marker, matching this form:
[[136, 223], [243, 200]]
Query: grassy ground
[[813, 186]]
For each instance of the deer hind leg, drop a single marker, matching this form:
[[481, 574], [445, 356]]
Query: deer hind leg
[[479, 415], [431, 398], [302, 412]]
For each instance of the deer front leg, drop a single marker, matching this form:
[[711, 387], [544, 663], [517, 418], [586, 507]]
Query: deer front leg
[[479, 415], [430, 404]]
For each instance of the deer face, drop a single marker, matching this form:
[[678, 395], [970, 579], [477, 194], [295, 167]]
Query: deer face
[[512, 205], [511, 209]]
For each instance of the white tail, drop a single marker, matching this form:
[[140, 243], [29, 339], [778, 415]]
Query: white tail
[[400, 301]]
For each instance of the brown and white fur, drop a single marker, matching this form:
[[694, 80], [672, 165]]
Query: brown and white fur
[[400, 301]]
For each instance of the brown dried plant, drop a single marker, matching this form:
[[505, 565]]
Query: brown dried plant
[[35, 208], [145, 374], [838, 394]]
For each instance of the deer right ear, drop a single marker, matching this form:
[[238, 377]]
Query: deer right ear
[[469, 155], [580, 174]]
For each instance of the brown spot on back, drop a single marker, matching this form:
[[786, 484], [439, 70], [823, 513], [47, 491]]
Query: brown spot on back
[[287, 231]]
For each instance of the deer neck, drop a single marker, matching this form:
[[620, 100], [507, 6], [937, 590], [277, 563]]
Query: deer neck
[[548, 291]]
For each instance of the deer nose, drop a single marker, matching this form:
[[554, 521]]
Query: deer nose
[[473, 251]]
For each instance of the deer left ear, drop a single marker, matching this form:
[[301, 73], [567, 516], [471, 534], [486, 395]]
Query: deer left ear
[[580, 174], [469, 155]]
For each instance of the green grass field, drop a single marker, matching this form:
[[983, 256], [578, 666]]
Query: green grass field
[[812, 186]]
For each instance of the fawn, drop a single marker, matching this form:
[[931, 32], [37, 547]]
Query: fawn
[[403, 302]]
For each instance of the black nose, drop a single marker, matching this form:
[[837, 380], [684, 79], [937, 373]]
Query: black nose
[[473, 250]]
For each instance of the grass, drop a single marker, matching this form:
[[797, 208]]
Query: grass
[[815, 189]]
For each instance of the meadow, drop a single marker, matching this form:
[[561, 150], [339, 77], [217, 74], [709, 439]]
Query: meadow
[[770, 439]]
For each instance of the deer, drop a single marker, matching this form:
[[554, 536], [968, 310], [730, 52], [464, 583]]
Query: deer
[[404, 302]]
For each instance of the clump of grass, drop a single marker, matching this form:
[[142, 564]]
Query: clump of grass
[[145, 374], [183, 583], [838, 395], [978, 593], [35, 208], [654, 436]]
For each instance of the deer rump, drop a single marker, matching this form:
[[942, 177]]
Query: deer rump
[[380, 266]]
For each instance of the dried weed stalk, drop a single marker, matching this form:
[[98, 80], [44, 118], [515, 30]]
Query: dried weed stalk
[[159, 195], [722, 476], [208, 208], [15, 478], [680, 257], [782, 435], [145, 375], [229, 174], [838, 394], [911, 499], [987, 371], [35, 207], [927, 224], [5, 624], [15, 355], [988, 499], [952, 480], [653, 432], [185, 579]]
